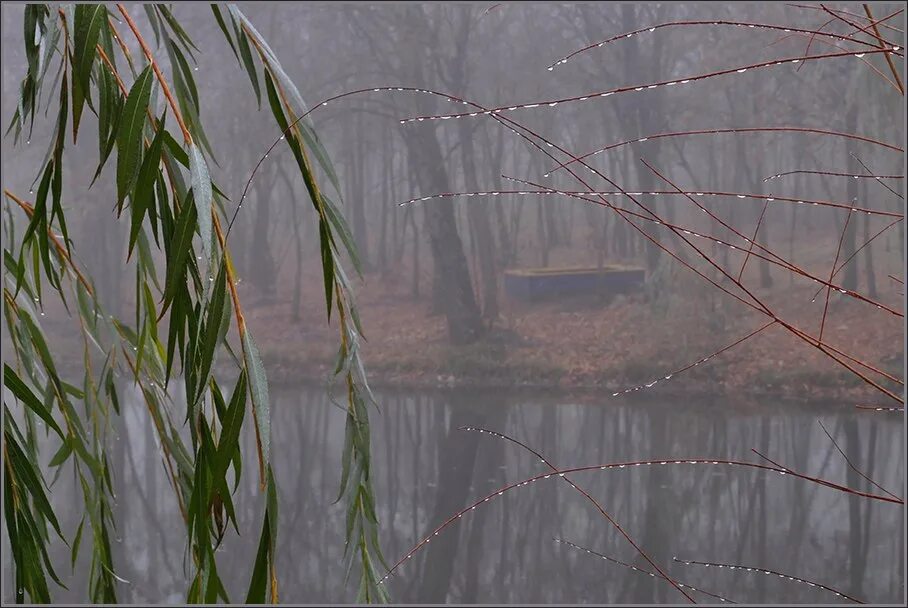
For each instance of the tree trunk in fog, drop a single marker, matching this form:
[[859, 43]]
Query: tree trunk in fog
[[450, 263], [261, 262], [868, 250], [476, 210], [754, 171], [357, 200], [850, 276], [650, 115]]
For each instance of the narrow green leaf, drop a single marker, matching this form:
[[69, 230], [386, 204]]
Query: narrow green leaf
[[258, 385], [143, 194], [76, 541], [259, 583], [220, 19], [324, 234], [246, 54], [129, 136], [15, 384], [88, 21], [178, 255], [201, 188]]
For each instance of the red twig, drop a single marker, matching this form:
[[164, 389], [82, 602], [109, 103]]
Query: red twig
[[754, 238], [878, 408], [747, 24], [633, 567], [653, 85], [878, 178], [850, 14], [832, 173], [740, 195], [697, 362], [851, 464], [858, 250], [850, 136], [796, 579], [832, 272]]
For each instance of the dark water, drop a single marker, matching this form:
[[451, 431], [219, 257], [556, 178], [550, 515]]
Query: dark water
[[425, 470]]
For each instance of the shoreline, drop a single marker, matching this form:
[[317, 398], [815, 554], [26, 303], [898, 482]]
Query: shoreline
[[280, 375]]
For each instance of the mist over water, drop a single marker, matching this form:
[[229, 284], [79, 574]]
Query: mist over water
[[503, 552]]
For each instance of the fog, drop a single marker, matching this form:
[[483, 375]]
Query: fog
[[463, 327]]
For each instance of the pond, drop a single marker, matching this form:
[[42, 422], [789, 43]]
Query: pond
[[425, 469]]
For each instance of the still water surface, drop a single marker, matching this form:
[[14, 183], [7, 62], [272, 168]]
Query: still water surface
[[425, 469]]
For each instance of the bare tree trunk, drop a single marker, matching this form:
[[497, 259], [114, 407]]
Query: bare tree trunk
[[850, 277], [479, 218], [453, 277]]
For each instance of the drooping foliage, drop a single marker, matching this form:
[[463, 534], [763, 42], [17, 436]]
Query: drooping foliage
[[188, 319]]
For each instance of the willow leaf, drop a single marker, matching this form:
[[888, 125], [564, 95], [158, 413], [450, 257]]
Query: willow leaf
[[201, 188], [129, 136], [88, 21], [249, 64], [258, 385], [15, 384], [179, 252], [143, 194], [221, 24]]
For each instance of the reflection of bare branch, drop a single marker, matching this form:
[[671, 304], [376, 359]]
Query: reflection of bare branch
[[776, 468], [147, 505], [588, 497]]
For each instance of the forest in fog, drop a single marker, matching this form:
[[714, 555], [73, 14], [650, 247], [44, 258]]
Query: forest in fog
[[434, 272], [611, 232]]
